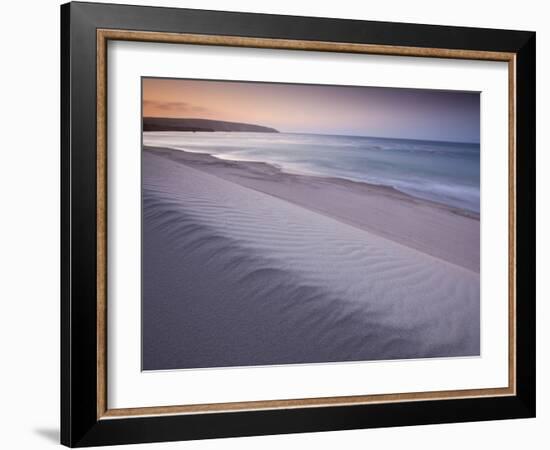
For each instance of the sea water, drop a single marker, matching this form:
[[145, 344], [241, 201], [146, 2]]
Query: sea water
[[445, 172]]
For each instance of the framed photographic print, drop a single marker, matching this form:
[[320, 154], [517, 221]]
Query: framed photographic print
[[276, 224]]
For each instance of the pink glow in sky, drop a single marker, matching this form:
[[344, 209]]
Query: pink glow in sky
[[299, 108]]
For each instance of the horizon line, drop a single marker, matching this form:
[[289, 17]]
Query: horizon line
[[302, 132]]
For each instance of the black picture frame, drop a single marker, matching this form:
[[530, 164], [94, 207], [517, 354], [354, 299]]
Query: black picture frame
[[80, 425]]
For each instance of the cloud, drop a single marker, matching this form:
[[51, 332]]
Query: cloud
[[179, 107]]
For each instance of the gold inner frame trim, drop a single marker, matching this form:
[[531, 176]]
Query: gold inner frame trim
[[103, 36]]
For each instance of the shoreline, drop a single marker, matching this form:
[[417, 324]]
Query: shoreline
[[448, 233], [201, 158]]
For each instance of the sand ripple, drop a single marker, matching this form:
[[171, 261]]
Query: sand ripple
[[233, 276]]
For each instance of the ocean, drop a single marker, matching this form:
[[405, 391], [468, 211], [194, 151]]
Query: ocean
[[445, 172]]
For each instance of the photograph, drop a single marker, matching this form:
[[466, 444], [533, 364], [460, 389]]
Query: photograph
[[304, 224], [281, 221]]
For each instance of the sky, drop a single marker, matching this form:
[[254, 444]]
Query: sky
[[320, 109]]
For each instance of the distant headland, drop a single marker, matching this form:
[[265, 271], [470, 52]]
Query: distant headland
[[176, 124]]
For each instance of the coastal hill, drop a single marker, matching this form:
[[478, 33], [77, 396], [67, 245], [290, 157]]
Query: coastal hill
[[173, 124]]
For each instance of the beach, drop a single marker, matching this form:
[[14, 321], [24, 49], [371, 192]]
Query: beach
[[247, 264]]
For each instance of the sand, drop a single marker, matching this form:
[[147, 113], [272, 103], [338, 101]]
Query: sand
[[246, 265], [445, 232]]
